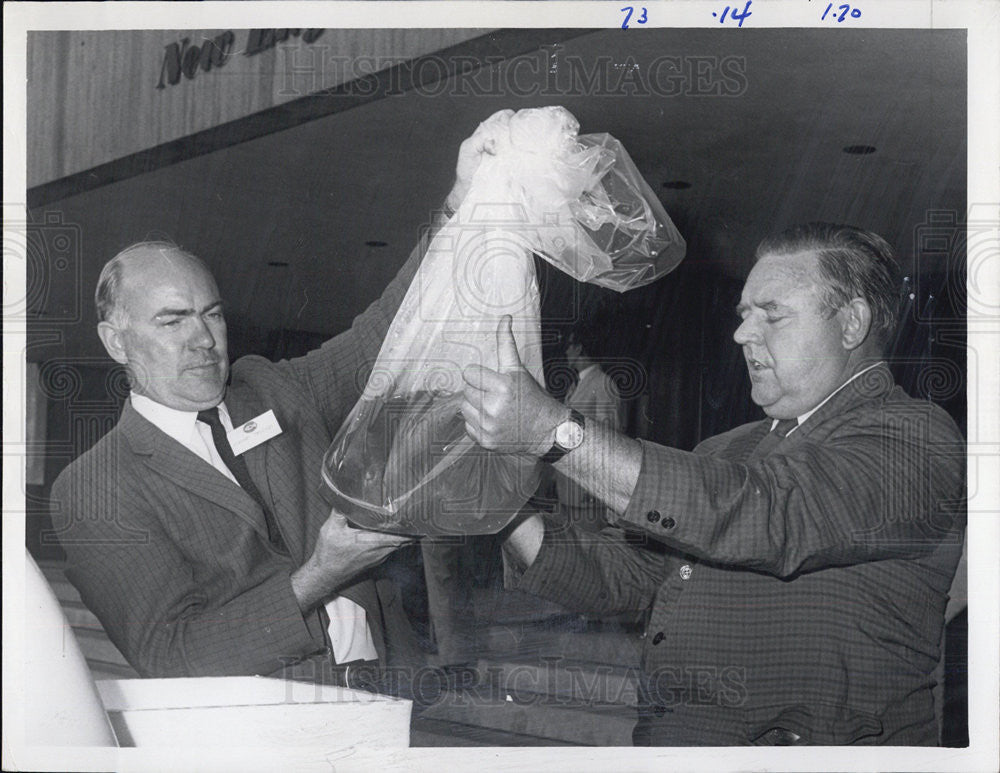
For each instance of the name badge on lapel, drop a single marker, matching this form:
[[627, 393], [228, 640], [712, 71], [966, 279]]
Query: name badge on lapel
[[254, 432]]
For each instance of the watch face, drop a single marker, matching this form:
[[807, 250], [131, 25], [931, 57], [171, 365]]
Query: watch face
[[569, 435]]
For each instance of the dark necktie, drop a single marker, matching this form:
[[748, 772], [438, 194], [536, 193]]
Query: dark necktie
[[772, 438], [239, 470]]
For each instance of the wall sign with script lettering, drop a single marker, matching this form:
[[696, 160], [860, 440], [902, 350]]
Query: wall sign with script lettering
[[183, 58]]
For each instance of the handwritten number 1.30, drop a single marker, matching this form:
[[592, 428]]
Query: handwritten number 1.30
[[640, 19], [734, 14], [844, 10]]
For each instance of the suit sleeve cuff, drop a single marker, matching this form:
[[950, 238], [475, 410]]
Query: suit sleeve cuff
[[655, 506], [283, 632]]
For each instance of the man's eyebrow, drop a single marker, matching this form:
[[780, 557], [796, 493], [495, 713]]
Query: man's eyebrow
[[768, 305], [168, 312]]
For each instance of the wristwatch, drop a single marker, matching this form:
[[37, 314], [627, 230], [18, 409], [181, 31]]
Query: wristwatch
[[569, 435]]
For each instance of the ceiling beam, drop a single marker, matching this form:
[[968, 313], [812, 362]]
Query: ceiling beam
[[468, 56]]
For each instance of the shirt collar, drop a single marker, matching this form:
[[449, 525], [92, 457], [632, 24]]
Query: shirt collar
[[811, 411], [177, 424]]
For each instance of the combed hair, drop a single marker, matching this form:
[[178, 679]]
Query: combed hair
[[855, 264], [107, 295]]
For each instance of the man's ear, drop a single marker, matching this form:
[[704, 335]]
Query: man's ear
[[856, 323], [113, 339]]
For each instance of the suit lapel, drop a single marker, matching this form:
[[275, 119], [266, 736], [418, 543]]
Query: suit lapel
[[166, 457], [744, 443], [244, 404], [871, 384]]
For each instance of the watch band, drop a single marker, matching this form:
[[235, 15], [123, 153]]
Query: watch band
[[557, 451]]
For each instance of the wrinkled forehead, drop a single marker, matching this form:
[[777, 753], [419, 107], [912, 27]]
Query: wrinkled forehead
[[154, 267], [783, 273]]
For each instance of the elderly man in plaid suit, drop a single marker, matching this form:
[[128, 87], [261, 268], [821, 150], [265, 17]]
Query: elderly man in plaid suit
[[794, 571]]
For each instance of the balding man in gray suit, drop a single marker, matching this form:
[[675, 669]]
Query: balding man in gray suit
[[199, 530]]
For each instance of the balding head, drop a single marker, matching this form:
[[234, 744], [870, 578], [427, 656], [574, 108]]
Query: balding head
[[108, 298], [161, 316]]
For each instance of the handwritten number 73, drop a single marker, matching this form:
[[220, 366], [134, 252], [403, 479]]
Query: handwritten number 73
[[640, 19]]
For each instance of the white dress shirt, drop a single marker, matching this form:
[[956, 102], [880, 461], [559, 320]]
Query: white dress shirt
[[350, 636]]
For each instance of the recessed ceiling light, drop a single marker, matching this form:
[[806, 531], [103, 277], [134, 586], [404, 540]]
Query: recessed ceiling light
[[376, 243], [677, 185], [860, 150], [278, 263]]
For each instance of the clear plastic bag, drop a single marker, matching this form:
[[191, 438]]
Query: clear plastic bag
[[402, 462]]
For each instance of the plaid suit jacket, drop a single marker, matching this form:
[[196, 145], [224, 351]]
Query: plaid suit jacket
[[802, 591], [173, 557]]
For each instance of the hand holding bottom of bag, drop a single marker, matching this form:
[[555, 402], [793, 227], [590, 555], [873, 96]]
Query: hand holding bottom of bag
[[341, 553]]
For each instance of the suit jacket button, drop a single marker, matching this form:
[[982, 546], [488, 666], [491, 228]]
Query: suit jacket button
[[686, 572], [658, 638], [653, 516], [668, 523]]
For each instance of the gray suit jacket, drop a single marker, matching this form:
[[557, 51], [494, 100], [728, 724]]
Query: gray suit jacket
[[800, 591], [173, 557]]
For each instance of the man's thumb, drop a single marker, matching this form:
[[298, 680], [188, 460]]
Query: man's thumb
[[507, 356]]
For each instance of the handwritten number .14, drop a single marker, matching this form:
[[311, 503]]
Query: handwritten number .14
[[734, 14], [640, 19]]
